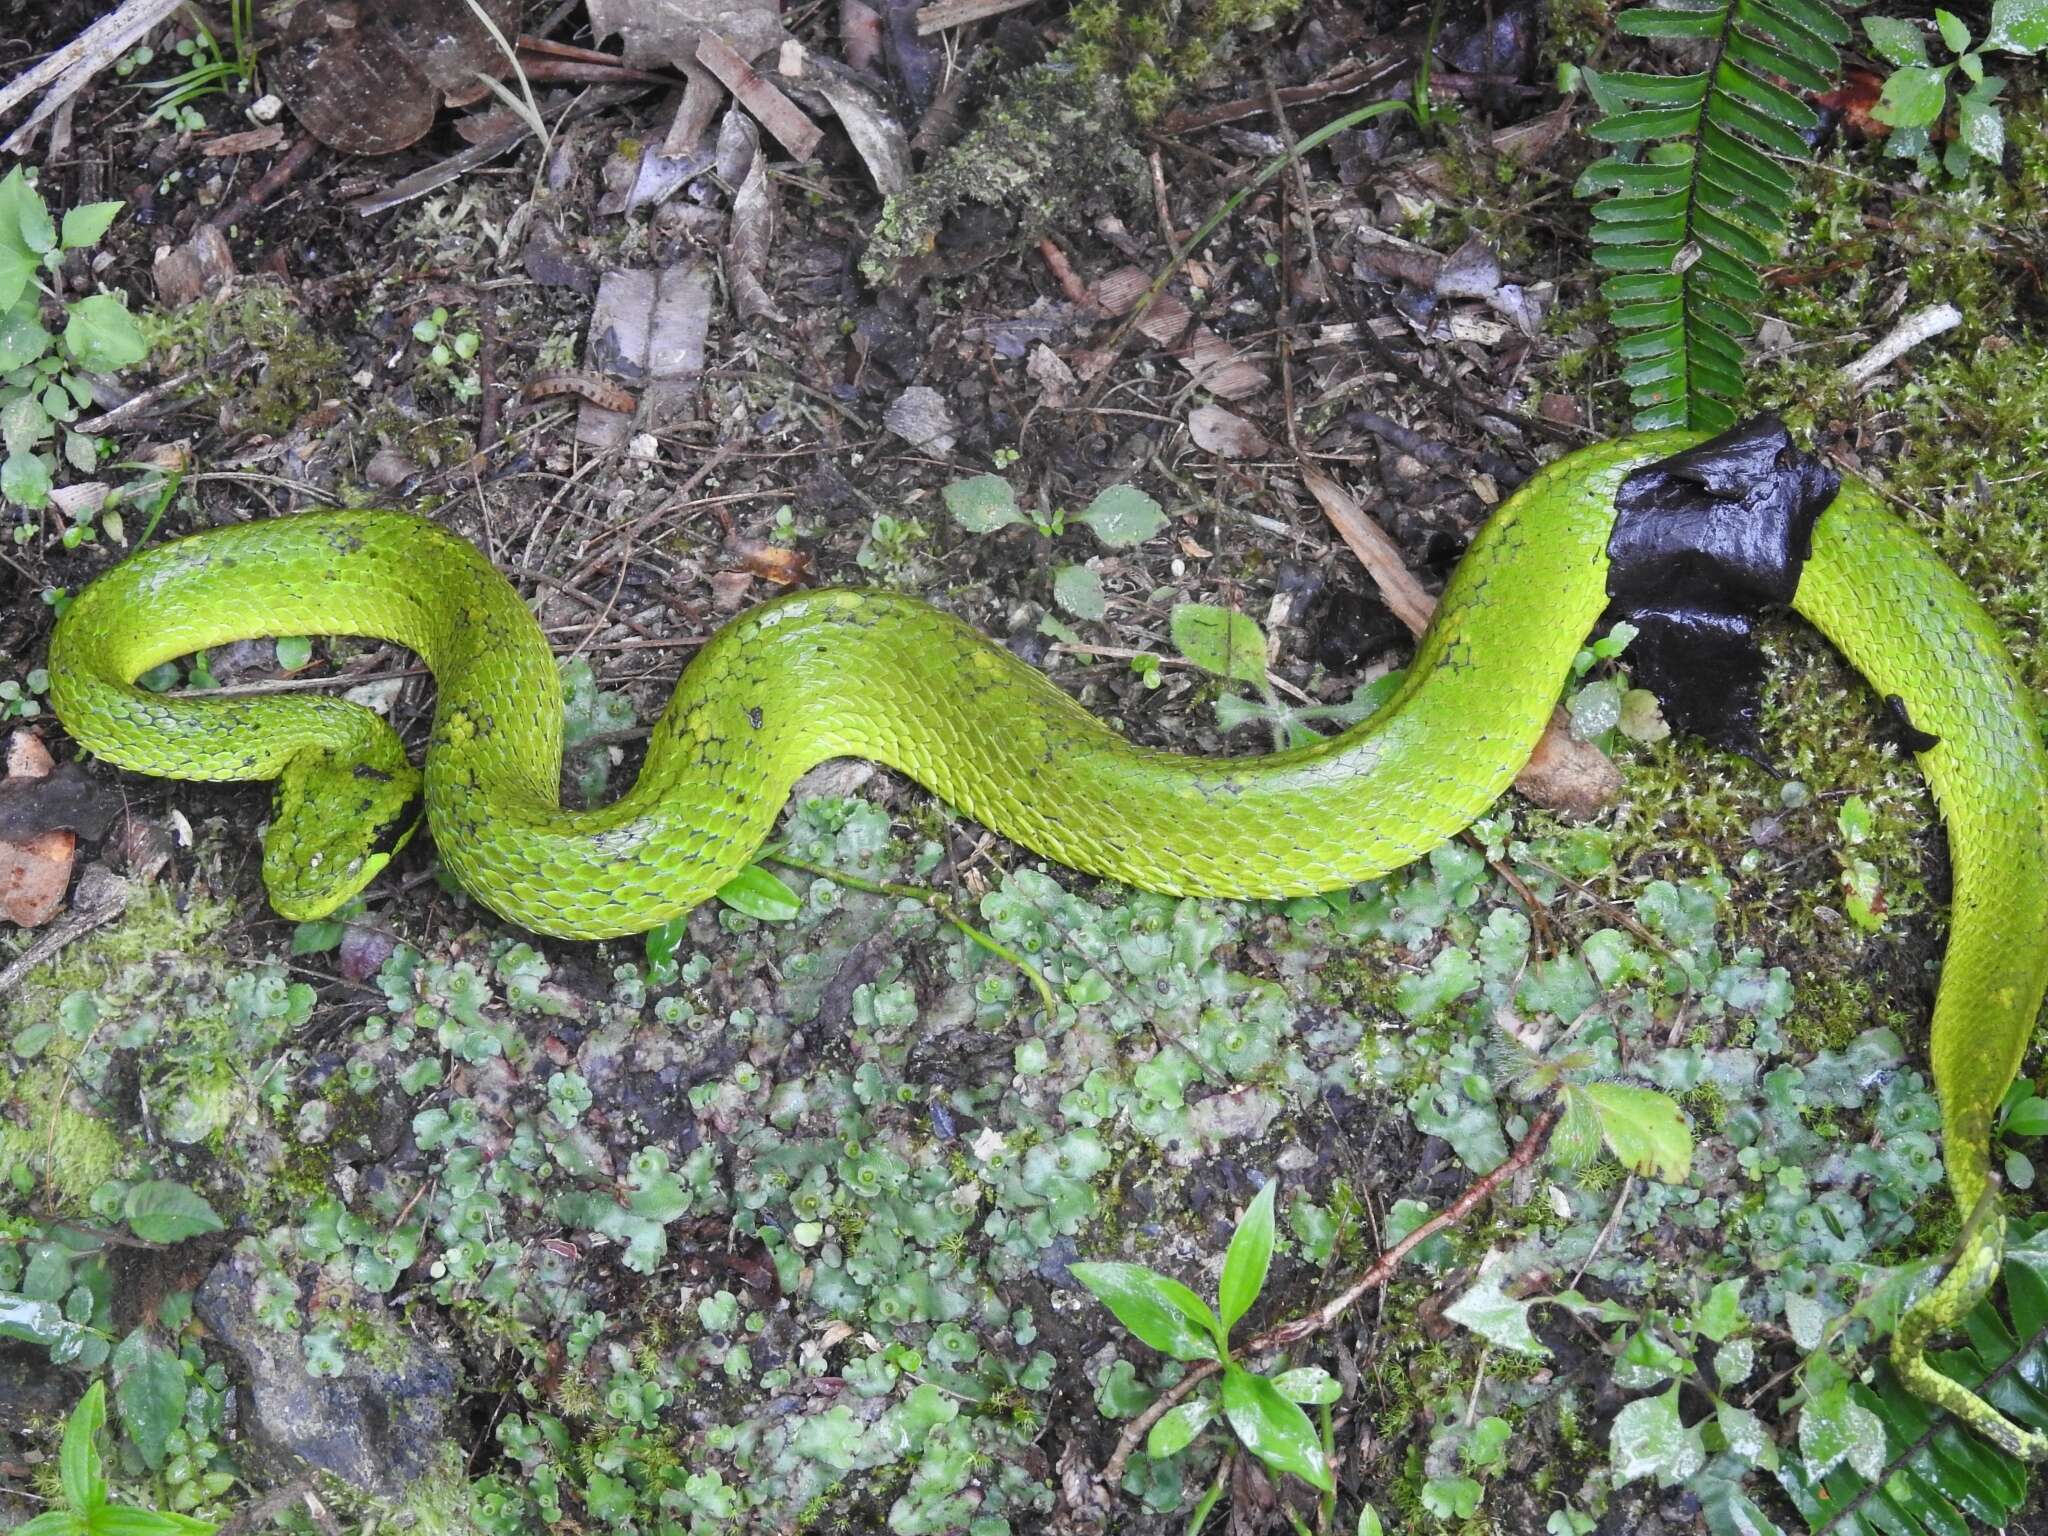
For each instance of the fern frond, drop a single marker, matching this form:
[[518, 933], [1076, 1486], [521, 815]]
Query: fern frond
[[1938, 1478], [1699, 200]]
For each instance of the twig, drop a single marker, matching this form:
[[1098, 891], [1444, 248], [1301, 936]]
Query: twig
[[1922, 325], [136, 405], [1327, 1315], [266, 186], [955, 13], [67, 70]]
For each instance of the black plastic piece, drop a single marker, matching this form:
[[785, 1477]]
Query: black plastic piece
[[1703, 542]]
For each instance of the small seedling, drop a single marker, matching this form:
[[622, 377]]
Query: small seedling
[[88, 1511], [1916, 92], [1264, 1411]]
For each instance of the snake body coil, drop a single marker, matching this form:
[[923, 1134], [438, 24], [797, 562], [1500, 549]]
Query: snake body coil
[[825, 674]]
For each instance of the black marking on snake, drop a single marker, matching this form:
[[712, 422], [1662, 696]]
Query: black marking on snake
[[754, 717], [365, 771], [1909, 735]]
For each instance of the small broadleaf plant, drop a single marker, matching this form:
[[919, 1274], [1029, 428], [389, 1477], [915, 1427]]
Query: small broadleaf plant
[[87, 1510], [1916, 93], [43, 383], [1264, 1411]]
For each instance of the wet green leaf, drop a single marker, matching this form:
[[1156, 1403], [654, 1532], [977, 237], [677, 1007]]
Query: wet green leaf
[[1643, 1129], [1249, 1256], [84, 224], [149, 1393], [1178, 1427], [1220, 640], [982, 504], [101, 335], [1650, 1440], [759, 894], [1122, 516], [162, 1211], [1273, 1429], [1491, 1313], [1142, 1304]]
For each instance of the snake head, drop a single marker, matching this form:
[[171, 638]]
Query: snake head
[[336, 821]]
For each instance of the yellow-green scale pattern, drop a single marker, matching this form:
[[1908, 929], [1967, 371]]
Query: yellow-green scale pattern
[[823, 674]]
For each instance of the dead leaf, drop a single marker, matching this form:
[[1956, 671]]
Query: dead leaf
[[367, 76], [1472, 271], [753, 236], [1569, 775], [1224, 434], [1218, 368], [198, 267], [38, 810], [882, 143], [771, 562], [775, 111], [729, 590], [1049, 371], [247, 142]]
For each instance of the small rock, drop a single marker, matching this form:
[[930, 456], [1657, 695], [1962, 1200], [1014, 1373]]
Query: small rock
[[376, 1426]]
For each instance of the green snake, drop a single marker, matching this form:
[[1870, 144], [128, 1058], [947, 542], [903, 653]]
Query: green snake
[[823, 674]]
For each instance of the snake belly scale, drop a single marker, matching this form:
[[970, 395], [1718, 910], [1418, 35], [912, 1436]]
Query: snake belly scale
[[823, 674]]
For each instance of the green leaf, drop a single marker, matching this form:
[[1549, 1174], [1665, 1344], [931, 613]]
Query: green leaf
[[162, 1211], [1079, 590], [78, 1459], [1246, 1261], [1141, 1303], [1122, 516], [761, 894], [22, 337], [25, 480], [294, 652], [1895, 41], [102, 335], [1912, 97], [55, 1522], [1982, 126], [982, 504], [1369, 1522], [1834, 1427], [149, 1392], [1308, 1384], [25, 212], [84, 224], [1220, 640], [2029, 1117], [1650, 1440], [1721, 1313], [124, 1520], [1643, 1129], [1953, 32], [1273, 1429], [1490, 1312], [1178, 1427], [2018, 26]]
